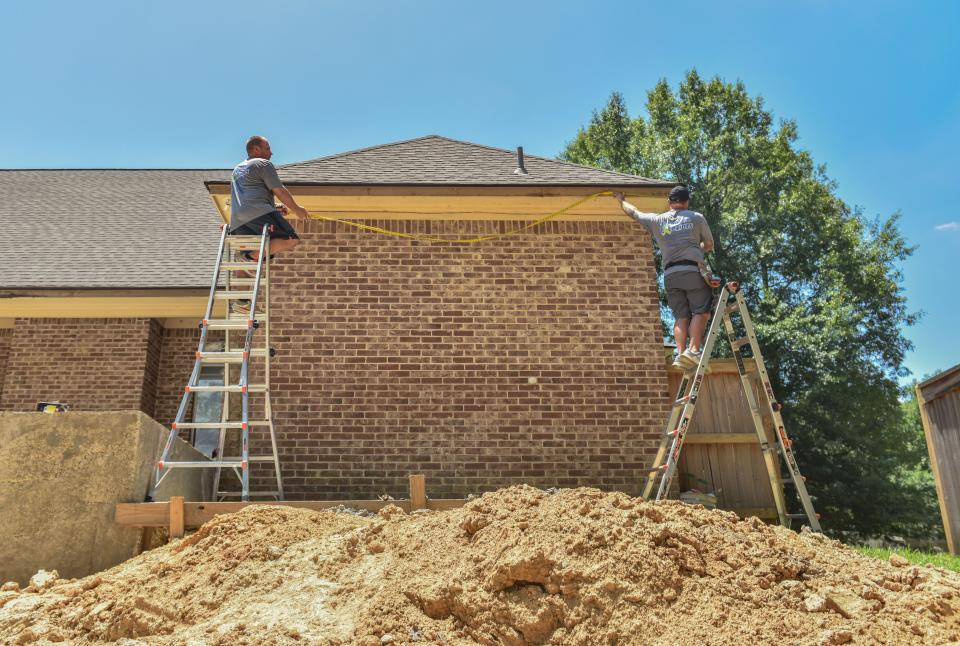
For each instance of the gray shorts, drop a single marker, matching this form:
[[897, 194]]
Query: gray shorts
[[687, 294]]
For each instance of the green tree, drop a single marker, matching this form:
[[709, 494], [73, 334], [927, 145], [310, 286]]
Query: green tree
[[822, 281]]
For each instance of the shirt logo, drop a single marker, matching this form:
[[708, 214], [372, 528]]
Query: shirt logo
[[675, 227]]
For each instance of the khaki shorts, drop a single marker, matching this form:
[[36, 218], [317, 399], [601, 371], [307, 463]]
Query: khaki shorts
[[687, 294]]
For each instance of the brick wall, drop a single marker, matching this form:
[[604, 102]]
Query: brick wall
[[6, 335], [532, 359], [90, 364], [176, 362], [148, 396], [396, 356]]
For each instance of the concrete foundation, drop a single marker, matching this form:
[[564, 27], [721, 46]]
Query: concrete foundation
[[61, 476]]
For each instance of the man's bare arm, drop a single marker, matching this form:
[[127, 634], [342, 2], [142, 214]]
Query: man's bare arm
[[287, 200], [707, 245], [628, 208]]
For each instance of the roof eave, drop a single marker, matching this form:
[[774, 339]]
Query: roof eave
[[209, 183]]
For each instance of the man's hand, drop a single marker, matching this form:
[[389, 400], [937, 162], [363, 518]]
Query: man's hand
[[300, 212]]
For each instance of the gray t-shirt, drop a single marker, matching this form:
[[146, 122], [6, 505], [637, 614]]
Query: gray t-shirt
[[251, 191], [678, 234]]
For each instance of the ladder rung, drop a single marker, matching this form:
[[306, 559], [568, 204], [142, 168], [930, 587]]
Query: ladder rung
[[252, 458], [237, 494], [231, 356], [239, 266], [232, 295], [232, 324], [206, 464], [235, 240], [796, 515], [738, 343], [189, 425], [730, 309], [232, 388]]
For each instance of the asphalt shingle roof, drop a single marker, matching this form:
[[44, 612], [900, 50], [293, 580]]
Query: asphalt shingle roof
[[435, 160], [89, 229], [139, 229]]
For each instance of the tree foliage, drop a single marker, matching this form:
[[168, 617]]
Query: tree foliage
[[822, 281]]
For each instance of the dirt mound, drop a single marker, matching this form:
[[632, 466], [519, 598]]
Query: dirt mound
[[518, 566]]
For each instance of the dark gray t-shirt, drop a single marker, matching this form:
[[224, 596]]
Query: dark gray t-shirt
[[251, 191], [678, 234]]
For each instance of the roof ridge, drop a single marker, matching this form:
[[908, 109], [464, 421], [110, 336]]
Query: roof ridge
[[362, 150], [468, 143]]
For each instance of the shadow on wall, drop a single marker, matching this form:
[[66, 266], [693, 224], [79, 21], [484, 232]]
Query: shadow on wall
[[61, 476]]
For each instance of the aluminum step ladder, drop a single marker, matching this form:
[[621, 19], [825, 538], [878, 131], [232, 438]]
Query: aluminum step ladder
[[239, 331], [730, 302]]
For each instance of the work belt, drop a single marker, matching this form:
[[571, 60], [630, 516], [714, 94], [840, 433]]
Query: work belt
[[681, 262]]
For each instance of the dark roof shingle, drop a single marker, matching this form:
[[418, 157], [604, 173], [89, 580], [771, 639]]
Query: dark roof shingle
[[89, 229], [140, 229], [436, 160]]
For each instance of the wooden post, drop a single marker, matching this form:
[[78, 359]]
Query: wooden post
[[176, 516], [418, 491]]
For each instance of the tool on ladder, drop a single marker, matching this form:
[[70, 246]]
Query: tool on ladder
[[730, 301], [236, 353]]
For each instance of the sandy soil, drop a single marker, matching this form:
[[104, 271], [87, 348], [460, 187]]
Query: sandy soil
[[518, 566]]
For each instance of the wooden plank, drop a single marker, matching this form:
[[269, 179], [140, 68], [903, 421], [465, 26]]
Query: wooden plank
[[464, 207], [222, 189], [176, 517], [142, 514], [418, 491]]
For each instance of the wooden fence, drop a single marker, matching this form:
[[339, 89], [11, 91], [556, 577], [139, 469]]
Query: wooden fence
[[721, 453], [939, 399]]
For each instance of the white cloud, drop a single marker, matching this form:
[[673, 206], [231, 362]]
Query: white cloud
[[949, 226]]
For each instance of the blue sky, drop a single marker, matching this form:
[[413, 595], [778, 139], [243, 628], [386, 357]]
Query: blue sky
[[874, 87]]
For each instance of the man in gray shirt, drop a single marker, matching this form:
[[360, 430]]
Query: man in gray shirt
[[253, 186], [683, 236]]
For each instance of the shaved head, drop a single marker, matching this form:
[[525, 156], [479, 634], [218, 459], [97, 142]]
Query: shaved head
[[256, 141]]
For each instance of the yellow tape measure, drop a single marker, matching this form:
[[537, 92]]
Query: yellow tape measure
[[429, 238]]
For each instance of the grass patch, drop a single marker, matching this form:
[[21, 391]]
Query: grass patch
[[940, 559]]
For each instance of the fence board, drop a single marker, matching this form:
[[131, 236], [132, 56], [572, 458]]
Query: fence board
[[721, 446]]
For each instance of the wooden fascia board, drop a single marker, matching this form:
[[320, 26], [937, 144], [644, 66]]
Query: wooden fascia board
[[420, 202], [192, 305]]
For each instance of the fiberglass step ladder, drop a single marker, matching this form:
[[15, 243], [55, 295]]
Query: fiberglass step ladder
[[730, 301], [236, 353]]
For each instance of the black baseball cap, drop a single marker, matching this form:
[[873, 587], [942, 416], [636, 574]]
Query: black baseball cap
[[679, 194]]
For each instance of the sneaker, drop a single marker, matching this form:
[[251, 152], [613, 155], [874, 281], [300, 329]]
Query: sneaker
[[691, 359], [677, 364]]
